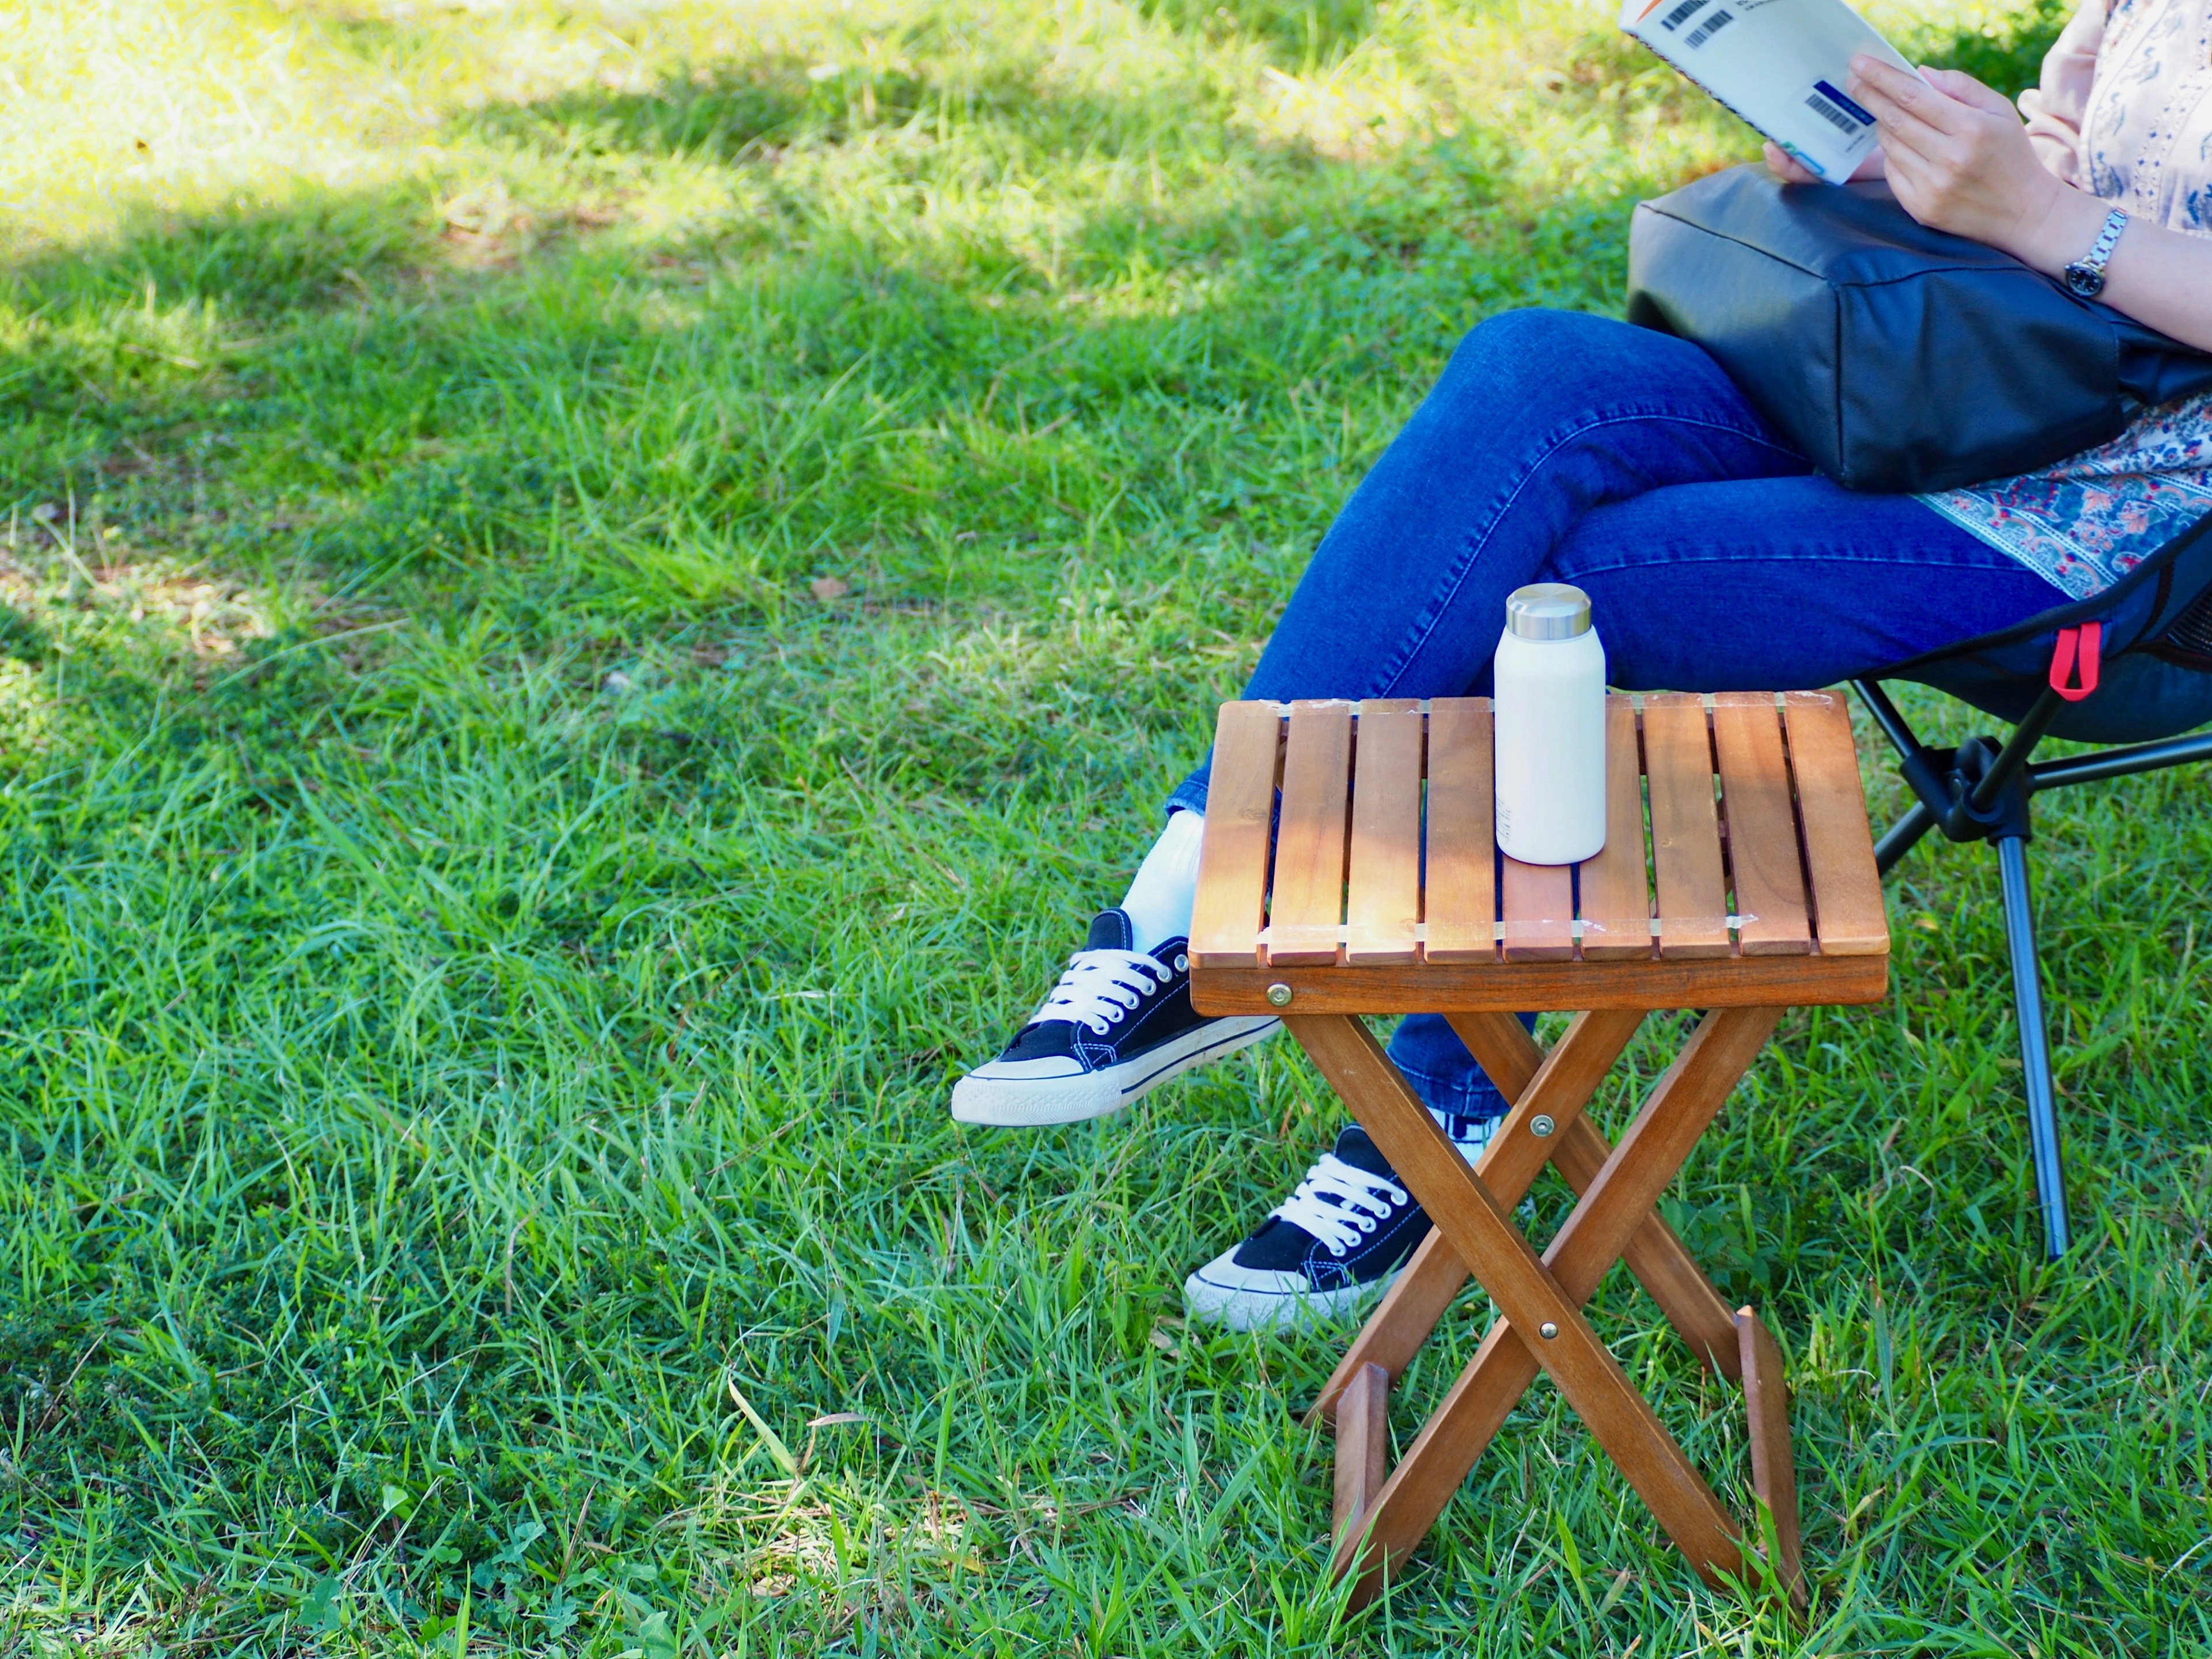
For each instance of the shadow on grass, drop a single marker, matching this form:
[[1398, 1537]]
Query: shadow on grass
[[533, 459], [447, 1064], [630, 426]]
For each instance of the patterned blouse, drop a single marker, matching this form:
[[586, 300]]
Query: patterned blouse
[[2125, 112]]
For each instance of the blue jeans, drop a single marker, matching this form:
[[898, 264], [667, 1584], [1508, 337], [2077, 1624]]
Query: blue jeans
[[1563, 448]]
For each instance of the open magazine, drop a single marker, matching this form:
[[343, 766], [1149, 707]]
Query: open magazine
[[1780, 64]]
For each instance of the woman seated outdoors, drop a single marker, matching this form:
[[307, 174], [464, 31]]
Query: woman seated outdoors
[[1565, 447]]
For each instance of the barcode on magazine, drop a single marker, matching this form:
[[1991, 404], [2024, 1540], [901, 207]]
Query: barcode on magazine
[[1838, 110], [1706, 31], [1681, 15]]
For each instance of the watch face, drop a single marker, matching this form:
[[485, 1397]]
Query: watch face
[[2085, 280]]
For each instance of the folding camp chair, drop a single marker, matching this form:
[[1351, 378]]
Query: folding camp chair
[[2132, 666]]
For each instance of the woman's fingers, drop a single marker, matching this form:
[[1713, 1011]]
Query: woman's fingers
[[1906, 136], [1908, 178], [1903, 134], [1914, 118], [1961, 86], [1788, 168], [1791, 171], [1904, 99]]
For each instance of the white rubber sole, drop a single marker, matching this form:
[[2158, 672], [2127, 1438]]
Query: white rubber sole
[[1034, 1103], [1243, 1307]]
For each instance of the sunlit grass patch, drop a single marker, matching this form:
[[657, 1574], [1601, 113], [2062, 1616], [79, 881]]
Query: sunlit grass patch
[[592, 592]]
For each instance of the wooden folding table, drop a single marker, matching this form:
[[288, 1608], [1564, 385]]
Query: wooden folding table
[[1350, 867]]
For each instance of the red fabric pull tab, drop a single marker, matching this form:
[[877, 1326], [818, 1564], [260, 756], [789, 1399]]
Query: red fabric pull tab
[[2074, 657]]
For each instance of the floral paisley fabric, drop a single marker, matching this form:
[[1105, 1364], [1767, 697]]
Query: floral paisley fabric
[[2124, 111]]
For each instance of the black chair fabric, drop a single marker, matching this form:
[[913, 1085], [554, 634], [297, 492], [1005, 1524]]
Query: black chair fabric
[[2156, 680]]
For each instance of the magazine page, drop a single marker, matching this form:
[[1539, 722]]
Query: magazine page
[[1780, 64]]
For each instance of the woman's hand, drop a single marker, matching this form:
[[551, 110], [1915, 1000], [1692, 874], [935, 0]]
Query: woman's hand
[[1791, 171], [1958, 157]]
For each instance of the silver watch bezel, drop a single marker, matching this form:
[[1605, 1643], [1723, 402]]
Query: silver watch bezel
[[2083, 280]]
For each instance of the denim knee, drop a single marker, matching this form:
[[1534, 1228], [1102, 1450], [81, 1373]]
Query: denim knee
[[1566, 360], [1536, 329]]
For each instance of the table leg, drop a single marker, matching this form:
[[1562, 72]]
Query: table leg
[[1542, 1310], [1773, 1469], [1362, 1449], [1557, 1087], [1663, 1264]]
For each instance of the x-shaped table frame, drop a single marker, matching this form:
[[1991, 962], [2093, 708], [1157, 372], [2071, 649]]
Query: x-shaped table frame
[[1383, 1513]]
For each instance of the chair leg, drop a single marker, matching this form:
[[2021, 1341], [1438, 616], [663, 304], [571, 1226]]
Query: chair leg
[[2034, 1051]]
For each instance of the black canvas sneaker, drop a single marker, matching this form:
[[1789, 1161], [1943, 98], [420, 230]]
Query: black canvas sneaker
[[1117, 1024], [1331, 1246]]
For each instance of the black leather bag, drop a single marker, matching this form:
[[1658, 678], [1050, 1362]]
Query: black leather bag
[[1896, 358]]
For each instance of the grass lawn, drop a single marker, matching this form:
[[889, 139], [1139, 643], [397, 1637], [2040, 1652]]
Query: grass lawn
[[590, 594]]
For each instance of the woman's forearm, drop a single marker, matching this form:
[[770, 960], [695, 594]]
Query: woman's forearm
[[2156, 276]]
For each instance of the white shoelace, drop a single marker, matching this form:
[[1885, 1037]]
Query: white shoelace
[[1361, 1201], [1101, 988]]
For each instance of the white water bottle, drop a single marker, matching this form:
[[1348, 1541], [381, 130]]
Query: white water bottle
[[1549, 721]]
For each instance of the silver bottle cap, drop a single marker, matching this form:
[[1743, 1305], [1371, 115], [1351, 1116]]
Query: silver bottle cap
[[1547, 611]]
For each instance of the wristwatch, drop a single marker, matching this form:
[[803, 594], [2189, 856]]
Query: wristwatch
[[2085, 277]]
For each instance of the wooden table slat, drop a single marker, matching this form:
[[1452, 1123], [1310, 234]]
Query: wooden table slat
[[1306, 914], [1230, 907], [1616, 896], [1685, 840], [1540, 911], [1460, 905], [1762, 826], [1847, 913], [1383, 889]]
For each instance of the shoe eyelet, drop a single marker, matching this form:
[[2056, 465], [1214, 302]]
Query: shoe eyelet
[[1182, 964], [1336, 1249], [1115, 1017], [1366, 1224]]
